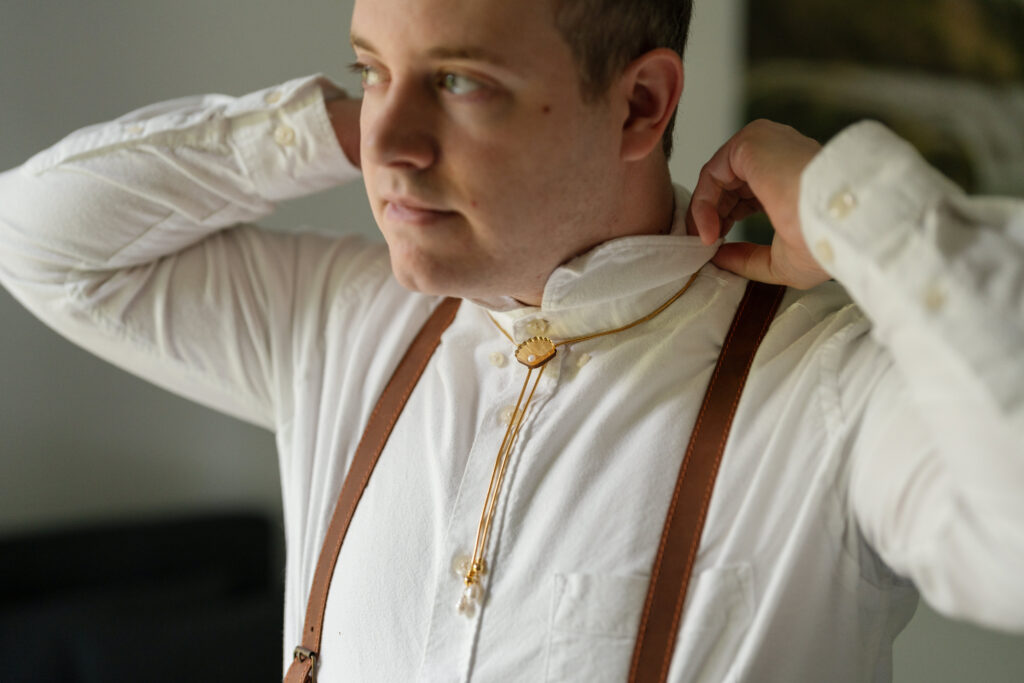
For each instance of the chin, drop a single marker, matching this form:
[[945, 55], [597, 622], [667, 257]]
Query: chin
[[419, 273]]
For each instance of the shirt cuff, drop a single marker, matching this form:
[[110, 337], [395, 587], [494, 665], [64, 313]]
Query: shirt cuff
[[285, 138], [863, 201], [282, 136]]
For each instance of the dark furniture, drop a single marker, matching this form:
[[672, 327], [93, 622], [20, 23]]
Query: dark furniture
[[192, 599]]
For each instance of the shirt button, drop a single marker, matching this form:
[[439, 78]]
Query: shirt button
[[823, 250], [583, 360], [284, 135], [460, 565], [842, 204], [505, 417], [537, 327], [935, 298], [498, 359], [272, 97]]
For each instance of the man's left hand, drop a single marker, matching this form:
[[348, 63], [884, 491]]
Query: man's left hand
[[759, 169]]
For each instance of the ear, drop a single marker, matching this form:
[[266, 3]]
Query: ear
[[651, 86]]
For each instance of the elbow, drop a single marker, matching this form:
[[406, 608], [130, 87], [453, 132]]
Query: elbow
[[977, 575]]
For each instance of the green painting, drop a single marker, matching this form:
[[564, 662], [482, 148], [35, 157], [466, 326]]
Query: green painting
[[947, 75]]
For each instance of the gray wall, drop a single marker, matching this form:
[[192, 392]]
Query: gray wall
[[82, 441]]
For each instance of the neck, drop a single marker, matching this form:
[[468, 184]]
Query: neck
[[645, 205]]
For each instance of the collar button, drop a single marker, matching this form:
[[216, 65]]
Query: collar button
[[537, 327]]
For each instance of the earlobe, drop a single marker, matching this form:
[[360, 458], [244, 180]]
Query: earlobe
[[652, 85]]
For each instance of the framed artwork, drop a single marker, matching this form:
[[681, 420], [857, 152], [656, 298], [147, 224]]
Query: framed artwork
[[947, 75]]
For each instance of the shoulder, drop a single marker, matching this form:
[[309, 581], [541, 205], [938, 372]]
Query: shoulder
[[811, 318]]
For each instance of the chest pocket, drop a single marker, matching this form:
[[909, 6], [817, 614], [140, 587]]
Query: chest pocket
[[595, 618]]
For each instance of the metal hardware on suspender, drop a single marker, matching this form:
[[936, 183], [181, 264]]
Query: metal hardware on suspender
[[302, 654]]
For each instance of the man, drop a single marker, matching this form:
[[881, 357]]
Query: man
[[514, 155]]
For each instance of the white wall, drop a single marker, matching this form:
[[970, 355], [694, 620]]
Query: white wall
[[82, 441]]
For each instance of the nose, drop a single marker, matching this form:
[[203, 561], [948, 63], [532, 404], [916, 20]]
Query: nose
[[398, 128]]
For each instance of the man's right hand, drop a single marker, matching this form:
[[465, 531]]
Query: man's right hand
[[344, 114]]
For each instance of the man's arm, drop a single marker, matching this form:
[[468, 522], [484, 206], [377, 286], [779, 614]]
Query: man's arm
[[937, 479], [122, 237]]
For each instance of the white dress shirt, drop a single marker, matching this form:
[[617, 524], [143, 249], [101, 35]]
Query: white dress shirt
[[873, 442]]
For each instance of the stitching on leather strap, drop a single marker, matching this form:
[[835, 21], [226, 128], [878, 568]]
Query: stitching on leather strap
[[417, 357], [709, 426], [709, 486], [663, 543]]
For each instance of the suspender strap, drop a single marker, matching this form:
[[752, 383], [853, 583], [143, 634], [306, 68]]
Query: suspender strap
[[684, 523], [378, 429]]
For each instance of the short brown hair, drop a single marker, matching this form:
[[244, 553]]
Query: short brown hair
[[606, 35]]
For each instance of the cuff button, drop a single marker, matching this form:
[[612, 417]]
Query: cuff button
[[284, 136], [823, 251], [842, 204]]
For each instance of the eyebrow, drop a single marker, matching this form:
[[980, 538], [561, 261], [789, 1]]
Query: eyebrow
[[467, 52]]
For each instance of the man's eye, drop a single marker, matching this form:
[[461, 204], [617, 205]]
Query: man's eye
[[369, 75], [459, 85]]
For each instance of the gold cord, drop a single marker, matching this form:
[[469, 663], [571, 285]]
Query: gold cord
[[477, 564], [650, 316]]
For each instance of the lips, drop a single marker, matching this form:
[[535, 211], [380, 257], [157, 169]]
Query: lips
[[409, 210]]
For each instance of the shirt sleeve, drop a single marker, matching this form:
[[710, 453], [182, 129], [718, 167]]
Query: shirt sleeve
[[937, 474], [131, 239]]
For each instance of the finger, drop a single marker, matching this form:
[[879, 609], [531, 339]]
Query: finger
[[703, 220], [726, 203], [745, 209], [691, 222], [702, 216], [723, 169], [742, 209], [752, 261]]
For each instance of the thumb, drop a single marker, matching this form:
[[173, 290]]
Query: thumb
[[752, 261]]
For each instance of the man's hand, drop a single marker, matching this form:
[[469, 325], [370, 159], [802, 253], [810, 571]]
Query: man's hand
[[344, 114], [757, 170]]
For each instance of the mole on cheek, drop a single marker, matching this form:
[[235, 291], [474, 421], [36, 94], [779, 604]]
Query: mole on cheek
[[546, 109]]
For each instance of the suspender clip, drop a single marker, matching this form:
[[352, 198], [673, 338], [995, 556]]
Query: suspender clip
[[302, 654]]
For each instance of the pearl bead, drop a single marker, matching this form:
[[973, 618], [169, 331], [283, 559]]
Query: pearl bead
[[473, 592], [466, 607]]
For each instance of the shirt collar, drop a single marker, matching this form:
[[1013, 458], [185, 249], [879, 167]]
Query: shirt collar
[[611, 285]]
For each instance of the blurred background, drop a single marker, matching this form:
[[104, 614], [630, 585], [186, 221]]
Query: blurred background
[[140, 535]]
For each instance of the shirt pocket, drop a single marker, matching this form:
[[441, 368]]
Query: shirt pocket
[[595, 619]]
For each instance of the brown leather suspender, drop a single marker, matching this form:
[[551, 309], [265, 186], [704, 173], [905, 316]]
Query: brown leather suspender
[[683, 525], [378, 429]]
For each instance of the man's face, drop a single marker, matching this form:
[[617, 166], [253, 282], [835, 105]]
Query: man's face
[[484, 167]]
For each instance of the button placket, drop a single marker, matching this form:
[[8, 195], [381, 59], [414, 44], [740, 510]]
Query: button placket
[[451, 634]]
